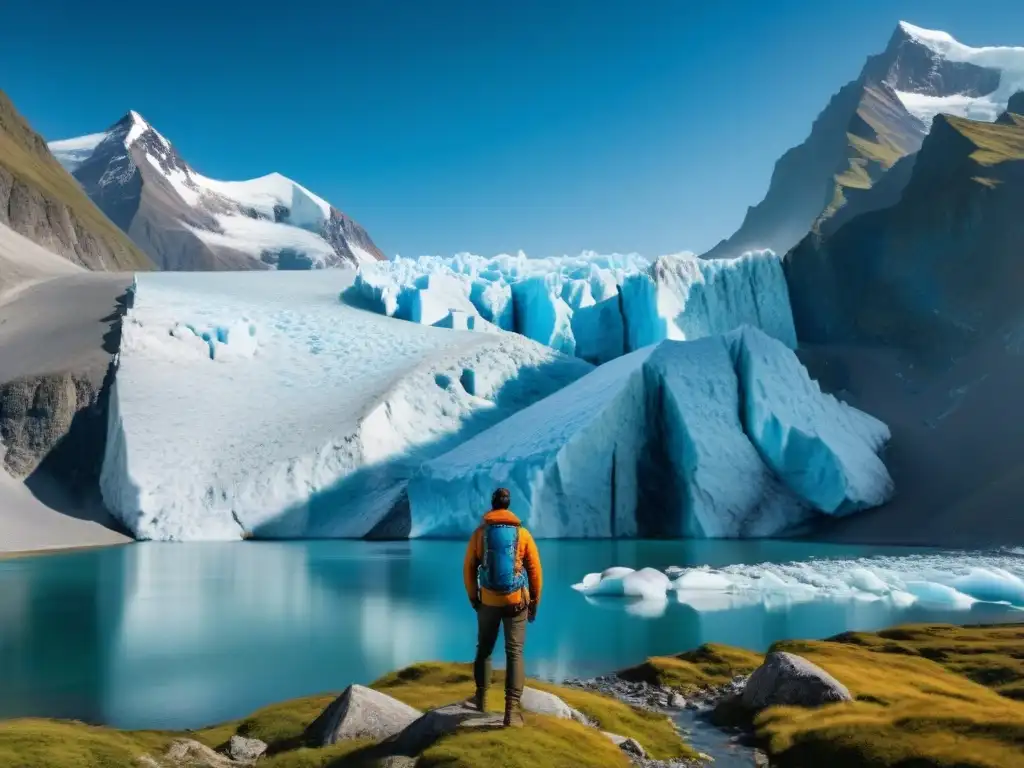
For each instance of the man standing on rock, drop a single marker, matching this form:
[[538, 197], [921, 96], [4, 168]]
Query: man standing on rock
[[503, 580]]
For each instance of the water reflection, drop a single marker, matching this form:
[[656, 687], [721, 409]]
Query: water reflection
[[172, 636]]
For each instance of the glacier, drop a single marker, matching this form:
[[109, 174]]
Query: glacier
[[683, 297], [822, 449], [257, 404], [595, 307], [569, 461], [658, 442]]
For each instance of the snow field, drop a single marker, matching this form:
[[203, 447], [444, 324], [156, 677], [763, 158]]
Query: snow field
[[596, 307], [944, 581], [258, 403]]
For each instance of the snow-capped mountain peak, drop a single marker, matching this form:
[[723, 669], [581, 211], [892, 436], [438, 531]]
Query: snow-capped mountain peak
[[933, 73], [927, 37], [270, 221]]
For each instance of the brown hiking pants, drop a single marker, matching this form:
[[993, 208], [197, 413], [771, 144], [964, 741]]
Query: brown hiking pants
[[489, 620]]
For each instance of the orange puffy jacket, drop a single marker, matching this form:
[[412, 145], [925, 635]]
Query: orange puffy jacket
[[527, 557]]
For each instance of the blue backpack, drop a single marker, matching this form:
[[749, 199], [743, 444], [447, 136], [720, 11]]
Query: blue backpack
[[497, 571]]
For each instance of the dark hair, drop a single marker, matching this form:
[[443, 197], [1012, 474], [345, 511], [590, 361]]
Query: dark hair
[[501, 499]]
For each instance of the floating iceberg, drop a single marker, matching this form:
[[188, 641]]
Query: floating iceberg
[[597, 307], [647, 583], [314, 425], [653, 443], [950, 581]]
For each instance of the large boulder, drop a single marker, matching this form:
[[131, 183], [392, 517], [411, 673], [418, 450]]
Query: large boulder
[[360, 713], [790, 680], [246, 750], [439, 722], [544, 703]]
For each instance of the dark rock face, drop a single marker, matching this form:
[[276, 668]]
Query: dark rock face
[[342, 232], [934, 272], [863, 132], [785, 679]]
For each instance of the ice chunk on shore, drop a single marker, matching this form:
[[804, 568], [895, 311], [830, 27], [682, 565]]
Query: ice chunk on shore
[[823, 450], [314, 435]]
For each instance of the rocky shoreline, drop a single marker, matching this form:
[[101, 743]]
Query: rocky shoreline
[[696, 708]]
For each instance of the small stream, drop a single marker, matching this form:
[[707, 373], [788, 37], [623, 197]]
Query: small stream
[[724, 746]]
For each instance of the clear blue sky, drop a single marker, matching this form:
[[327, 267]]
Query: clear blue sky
[[480, 125]]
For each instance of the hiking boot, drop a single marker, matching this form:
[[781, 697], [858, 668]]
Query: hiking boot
[[513, 714], [479, 700]]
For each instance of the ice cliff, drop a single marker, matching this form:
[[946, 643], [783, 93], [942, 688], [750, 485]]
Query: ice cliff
[[258, 404], [725, 436], [596, 307]]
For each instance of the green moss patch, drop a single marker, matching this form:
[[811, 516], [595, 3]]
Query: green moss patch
[[709, 665]]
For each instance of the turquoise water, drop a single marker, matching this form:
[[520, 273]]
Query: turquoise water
[[183, 635]]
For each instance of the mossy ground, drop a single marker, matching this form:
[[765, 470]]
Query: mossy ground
[[709, 665], [927, 695], [545, 742]]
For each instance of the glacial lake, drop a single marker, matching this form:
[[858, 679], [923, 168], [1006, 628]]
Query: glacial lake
[[183, 635]]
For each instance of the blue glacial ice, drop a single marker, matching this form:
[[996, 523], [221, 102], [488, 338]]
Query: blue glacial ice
[[570, 461], [653, 443], [823, 450], [683, 297], [719, 487], [544, 315], [553, 301], [599, 332]]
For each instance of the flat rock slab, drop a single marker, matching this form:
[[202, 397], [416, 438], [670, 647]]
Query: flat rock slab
[[544, 703], [361, 713], [437, 723], [790, 680]]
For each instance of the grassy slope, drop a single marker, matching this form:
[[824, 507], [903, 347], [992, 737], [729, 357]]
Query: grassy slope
[[928, 696], [910, 710], [33, 743], [24, 154], [710, 665]]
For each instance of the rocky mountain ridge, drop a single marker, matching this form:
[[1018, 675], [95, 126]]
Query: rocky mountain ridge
[[185, 220]]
